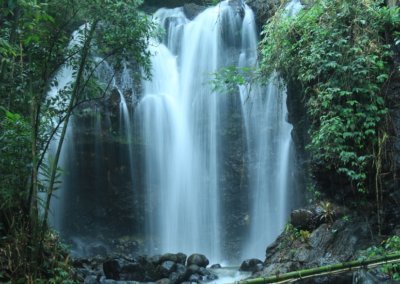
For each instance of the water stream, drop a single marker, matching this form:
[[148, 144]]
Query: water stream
[[215, 169]]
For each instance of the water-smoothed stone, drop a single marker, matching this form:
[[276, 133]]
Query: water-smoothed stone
[[163, 281], [174, 278], [166, 268], [210, 277], [216, 266], [181, 258], [191, 10], [169, 257], [251, 265], [195, 278], [193, 268], [91, 279], [182, 271], [204, 272], [302, 219], [112, 269], [155, 259], [198, 259], [132, 271]]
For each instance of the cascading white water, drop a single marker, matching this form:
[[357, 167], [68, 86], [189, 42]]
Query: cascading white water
[[269, 149], [181, 121], [183, 126]]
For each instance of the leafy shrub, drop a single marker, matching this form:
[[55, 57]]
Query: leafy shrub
[[341, 54], [389, 246]]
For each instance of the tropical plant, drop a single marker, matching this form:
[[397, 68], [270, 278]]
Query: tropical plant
[[340, 52]]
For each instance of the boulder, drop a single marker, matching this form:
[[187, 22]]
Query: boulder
[[112, 269], [193, 268], [216, 266], [132, 271], [195, 278], [198, 259], [163, 281], [166, 268], [169, 257], [181, 258], [302, 219], [182, 271], [191, 10], [251, 265]]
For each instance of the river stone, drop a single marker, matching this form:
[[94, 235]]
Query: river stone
[[155, 259], [169, 256], [198, 259], [132, 271], [90, 279], [302, 219], [111, 269], [191, 10], [203, 271], [182, 271], [174, 277], [251, 265], [163, 281], [181, 258], [193, 268], [216, 266], [166, 268], [195, 278]]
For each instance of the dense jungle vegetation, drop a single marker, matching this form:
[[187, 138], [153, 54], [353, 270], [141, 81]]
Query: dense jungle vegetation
[[343, 54], [34, 38]]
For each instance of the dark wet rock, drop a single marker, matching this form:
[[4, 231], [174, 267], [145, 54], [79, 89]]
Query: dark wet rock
[[182, 271], [166, 268], [210, 277], [216, 266], [373, 276], [193, 268], [203, 271], [164, 281], [327, 244], [263, 10], [174, 277], [195, 278], [97, 250], [112, 269], [191, 10], [169, 257], [155, 259], [198, 259], [170, 3], [132, 271], [177, 258], [251, 265], [181, 258], [302, 219], [90, 279]]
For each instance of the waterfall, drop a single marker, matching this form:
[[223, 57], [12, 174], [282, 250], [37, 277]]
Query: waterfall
[[209, 172], [270, 149], [181, 121], [181, 118]]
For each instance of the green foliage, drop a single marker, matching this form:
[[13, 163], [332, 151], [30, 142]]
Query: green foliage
[[15, 139], [293, 233], [55, 266], [227, 79], [327, 212], [391, 245], [34, 39], [338, 51]]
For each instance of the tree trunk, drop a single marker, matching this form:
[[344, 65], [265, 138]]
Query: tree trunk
[[73, 101]]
